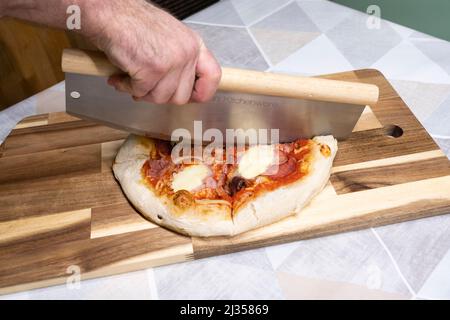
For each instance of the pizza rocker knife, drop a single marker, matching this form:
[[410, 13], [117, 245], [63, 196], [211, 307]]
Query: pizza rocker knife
[[299, 107]]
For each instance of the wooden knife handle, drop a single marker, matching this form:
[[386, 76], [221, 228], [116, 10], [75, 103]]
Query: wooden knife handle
[[238, 80]]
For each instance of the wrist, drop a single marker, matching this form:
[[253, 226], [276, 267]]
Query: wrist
[[104, 21], [8, 6]]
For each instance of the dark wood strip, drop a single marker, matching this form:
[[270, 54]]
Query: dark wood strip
[[88, 255], [58, 136], [77, 160], [370, 178], [376, 144], [58, 194], [207, 247]]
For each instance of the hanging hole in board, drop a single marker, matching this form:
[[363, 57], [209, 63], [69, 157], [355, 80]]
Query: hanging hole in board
[[393, 131]]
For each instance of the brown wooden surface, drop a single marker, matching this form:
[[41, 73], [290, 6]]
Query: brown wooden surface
[[30, 58], [61, 206]]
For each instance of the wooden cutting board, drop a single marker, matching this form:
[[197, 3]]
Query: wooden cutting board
[[61, 209]]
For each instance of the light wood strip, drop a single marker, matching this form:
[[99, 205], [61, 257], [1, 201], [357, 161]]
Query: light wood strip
[[109, 152], [390, 161], [31, 124], [174, 254], [345, 212], [367, 121], [61, 117], [28, 227], [327, 192], [33, 121], [117, 219], [370, 178]]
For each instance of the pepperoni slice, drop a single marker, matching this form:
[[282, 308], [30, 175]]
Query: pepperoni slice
[[282, 170], [157, 168]]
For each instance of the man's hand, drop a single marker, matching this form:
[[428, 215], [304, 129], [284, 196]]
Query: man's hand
[[163, 58], [166, 61]]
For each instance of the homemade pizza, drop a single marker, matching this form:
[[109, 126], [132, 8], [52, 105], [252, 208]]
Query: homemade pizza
[[213, 197]]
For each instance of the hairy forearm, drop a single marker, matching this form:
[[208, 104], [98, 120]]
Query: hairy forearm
[[95, 14], [48, 12]]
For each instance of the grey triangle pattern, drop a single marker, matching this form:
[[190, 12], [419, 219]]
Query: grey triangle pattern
[[289, 18], [439, 122], [222, 12], [422, 98], [444, 144], [233, 47], [360, 45], [252, 10], [222, 277], [354, 257], [437, 50], [417, 246], [325, 14], [132, 285], [284, 32]]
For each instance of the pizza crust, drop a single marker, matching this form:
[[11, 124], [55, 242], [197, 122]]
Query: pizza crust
[[289, 199], [202, 219], [214, 218]]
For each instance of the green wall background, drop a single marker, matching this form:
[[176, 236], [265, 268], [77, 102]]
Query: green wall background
[[428, 16]]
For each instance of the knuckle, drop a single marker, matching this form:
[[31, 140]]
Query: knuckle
[[160, 68], [188, 51], [192, 48]]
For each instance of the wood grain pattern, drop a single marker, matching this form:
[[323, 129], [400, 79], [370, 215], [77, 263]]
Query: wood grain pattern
[[122, 252], [61, 206], [376, 177], [63, 161], [58, 194], [349, 211], [58, 135], [25, 235], [117, 219]]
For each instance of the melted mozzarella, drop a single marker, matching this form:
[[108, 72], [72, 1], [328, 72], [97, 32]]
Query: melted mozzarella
[[190, 178], [256, 160]]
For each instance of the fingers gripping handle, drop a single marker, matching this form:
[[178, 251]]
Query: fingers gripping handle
[[247, 81]]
